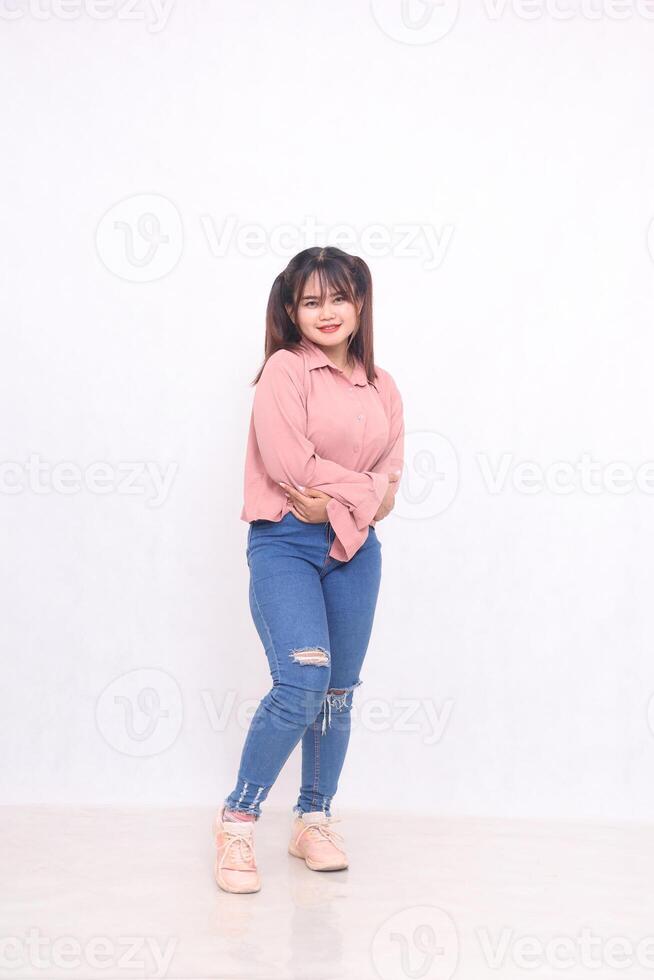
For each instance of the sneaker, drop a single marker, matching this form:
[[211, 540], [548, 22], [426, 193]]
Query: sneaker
[[236, 867], [314, 839]]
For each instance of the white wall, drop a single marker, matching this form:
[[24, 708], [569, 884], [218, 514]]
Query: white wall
[[517, 154]]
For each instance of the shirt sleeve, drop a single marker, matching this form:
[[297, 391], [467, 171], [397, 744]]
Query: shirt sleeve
[[280, 421], [393, 456]]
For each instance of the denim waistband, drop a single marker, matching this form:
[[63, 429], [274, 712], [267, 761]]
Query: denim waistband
[[293, 532], [289, 518]]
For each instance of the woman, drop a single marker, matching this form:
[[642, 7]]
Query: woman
[[323, 461]]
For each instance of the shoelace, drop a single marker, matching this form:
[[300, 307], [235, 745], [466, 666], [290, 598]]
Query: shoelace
[[325, 832], [245, 851]]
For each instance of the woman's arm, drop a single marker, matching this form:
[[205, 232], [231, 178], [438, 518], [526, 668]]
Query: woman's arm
[[393, 458]]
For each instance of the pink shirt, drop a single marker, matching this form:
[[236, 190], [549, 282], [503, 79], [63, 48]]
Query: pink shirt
[[311, 426]]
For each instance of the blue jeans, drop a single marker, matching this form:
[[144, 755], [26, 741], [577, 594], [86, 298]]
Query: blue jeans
[[314, 615]]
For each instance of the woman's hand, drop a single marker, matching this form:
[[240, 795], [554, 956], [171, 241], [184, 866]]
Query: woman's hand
[[310, 506], [388, 502]]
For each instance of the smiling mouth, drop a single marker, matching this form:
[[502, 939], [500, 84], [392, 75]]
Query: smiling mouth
[[330, 326]]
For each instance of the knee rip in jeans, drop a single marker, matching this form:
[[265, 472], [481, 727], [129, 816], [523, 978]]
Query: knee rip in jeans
[[311, 656], [335, 700]]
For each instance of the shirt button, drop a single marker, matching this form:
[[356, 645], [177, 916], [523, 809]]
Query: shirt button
[[359, 418], [356, 449]]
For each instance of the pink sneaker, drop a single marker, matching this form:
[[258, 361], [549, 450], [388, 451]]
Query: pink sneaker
[[314, 840], [236, 867]]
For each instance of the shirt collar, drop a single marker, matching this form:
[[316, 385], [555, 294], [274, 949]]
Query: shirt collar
[[316, 357]]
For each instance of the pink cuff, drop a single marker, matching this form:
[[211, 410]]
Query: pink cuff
[[351, 525], [365, 512]]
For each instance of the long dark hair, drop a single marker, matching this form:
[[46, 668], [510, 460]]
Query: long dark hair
[[346, 274]]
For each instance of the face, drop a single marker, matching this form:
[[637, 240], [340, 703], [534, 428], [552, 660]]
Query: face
[[329, 325]]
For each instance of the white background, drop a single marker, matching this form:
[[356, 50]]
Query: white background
[[522, 620]]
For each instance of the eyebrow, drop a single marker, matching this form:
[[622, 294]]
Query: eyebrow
[[333, 292]]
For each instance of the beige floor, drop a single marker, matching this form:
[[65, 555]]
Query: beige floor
[[130, 893]]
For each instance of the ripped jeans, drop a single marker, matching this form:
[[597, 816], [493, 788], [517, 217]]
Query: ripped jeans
[[314, 615]]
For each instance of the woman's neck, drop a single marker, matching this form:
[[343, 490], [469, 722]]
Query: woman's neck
[[340, 357]]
